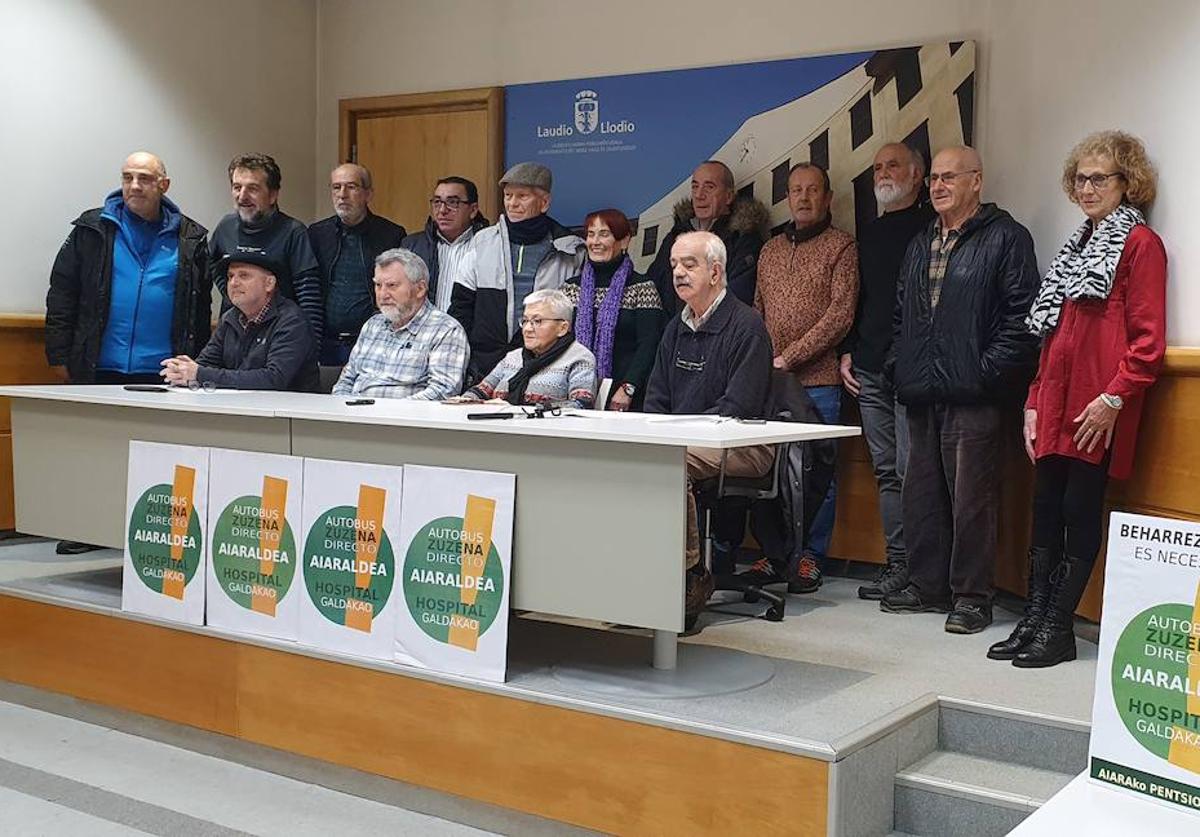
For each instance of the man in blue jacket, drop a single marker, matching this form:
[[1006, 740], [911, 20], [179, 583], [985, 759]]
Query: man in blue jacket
[[130, 285]]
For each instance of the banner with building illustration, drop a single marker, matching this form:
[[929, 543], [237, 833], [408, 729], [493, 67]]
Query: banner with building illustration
[[632, 141], [351, 520], [165, 517], [1146, 717], [456, 530], [252, 537]]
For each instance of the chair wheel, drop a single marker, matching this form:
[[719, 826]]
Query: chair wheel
[[774, 614]]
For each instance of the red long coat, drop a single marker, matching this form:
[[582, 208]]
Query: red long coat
[[1114, 345]]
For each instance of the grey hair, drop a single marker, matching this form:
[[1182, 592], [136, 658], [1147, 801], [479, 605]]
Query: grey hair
[[714, 248], [560, 306], [414, 266]]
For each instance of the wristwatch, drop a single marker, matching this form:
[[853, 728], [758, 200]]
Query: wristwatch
[[1113, 401], [629, 389]]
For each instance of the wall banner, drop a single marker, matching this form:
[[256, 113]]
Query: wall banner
[[1146, 717], [165, 517], [350, 523], [253, 538], [456, 547]]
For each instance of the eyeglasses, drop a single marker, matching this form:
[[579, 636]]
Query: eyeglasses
[[947, 177], [1098, 181], [449, 203], [207, 386], [536, 322]]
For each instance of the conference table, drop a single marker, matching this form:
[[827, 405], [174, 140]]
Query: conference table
[[599, 519]]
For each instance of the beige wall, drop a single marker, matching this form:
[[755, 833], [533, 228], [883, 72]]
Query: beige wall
[[84, 83], [1048, 73]]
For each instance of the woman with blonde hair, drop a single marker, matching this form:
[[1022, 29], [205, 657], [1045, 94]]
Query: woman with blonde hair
[[1101, 314]]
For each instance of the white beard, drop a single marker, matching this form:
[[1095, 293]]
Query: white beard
[[888, 192]]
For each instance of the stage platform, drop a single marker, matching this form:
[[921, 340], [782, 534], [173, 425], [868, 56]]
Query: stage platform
[[840, 719]]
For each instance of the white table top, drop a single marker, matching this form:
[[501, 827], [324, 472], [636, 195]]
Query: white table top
[[1091, 809], [592, 425]]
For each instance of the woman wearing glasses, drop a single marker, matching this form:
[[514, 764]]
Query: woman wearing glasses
[[551, 368], [618, 312], [1101, 314]]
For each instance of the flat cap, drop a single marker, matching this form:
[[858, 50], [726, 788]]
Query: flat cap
[[528, 174]]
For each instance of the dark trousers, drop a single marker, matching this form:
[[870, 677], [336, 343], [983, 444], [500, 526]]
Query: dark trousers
[[951, 500], [1068, 506], [104, 376]]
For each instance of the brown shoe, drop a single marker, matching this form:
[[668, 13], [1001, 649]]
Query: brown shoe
[[699, 586]]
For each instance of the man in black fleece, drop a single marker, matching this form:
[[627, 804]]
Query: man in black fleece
[[714, 359]]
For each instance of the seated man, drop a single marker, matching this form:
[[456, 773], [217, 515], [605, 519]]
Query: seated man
[[409, 349], [714, 358], [551, 368], [263, 342]]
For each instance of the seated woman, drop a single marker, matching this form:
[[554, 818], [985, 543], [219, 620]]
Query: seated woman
[[618, 312], [552, 368]]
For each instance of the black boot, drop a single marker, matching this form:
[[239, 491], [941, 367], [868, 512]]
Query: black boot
[[1054, 640], [1041, 561]]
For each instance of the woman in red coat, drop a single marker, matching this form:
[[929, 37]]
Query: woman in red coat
[[1101, 312]]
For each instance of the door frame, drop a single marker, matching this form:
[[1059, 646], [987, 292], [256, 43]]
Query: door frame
[[490, 99]]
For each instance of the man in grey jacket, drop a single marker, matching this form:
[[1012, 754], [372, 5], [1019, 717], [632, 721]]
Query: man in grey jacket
[[526, 250]]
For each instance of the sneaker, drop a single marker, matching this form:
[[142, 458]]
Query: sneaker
[[805, 577], [909, 600], [698, 587], [968, 618], [892, 576], [761, 573]]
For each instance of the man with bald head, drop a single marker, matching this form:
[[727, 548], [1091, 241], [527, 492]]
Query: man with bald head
[[346, 245], [130, 286], [960, 356], [899, 175]]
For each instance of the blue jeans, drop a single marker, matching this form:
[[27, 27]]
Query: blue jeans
[[828, 401]]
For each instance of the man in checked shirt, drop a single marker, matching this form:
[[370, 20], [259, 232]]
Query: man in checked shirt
[[409, 349]]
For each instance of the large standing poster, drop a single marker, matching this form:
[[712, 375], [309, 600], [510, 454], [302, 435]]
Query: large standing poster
[[165, 515], [1146, 717], [456, 534], [253, 533], [632, 141], [351, 518]]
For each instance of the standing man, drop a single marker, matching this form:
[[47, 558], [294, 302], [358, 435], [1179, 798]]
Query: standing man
[[715, 359], [740, 222], [881, 247], [806, 293], [346, 244], [130, 286], [955, 373], [259, 226], [525, 251], [445, 243]]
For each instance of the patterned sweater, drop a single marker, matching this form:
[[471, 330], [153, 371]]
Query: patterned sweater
[[807, 294], [571, 377]]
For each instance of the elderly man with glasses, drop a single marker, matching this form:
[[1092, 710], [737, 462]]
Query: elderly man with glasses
[[960, 355], [445, 242]]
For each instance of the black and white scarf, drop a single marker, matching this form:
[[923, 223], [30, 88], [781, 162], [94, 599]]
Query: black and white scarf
[[1084, 268]]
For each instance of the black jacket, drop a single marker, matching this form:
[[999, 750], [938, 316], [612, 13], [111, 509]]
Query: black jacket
[[77, 303], [279, 353], [744, 230], [723, 368], [974, 348], [424, 244], [326, 237]]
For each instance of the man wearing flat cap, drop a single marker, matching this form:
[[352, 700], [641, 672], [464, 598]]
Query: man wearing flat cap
[[526, 250], [263, 342]]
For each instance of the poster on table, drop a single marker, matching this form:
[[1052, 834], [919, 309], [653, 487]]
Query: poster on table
[[1146, 717], [351, 523], [252, 542], [165, 517], [456, 534]]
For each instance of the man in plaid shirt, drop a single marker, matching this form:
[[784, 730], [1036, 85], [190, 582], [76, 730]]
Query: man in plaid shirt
[[409, 349]]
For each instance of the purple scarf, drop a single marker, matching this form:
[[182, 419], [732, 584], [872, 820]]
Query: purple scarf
[[596, 329]]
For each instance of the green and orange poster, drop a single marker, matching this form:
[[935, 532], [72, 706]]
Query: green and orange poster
[[165, 517], [1146, 717]]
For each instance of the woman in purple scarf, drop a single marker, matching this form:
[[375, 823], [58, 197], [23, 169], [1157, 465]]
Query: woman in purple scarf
[[618, 313]]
